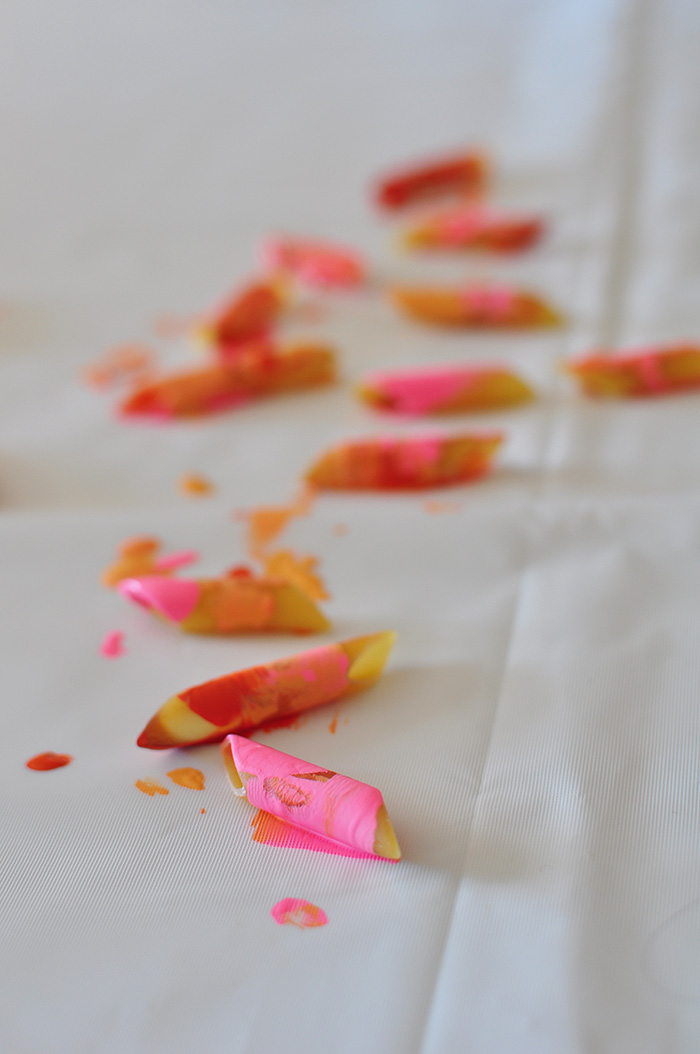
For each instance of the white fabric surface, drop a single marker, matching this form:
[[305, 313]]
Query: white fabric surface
[[536, 735]]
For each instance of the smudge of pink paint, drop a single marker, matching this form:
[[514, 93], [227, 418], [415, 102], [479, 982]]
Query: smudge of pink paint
[[294, 912], [112, 645], [419, 392], [179, 559]]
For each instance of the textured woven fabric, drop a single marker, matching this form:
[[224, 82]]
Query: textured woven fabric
[[535, 735]]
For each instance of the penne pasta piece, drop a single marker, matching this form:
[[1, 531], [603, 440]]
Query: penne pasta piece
[[654, 371], [465, 173], [405, 464], [475, 227], [231, 604], [246, 699], [324, 803], [256, 372], [450, 389], [475, 306]]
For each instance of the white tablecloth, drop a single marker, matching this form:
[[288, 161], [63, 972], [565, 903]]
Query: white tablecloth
[[535, 737]]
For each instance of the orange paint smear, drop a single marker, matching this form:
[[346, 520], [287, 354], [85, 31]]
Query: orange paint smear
[[193, 485], [267, 522], [135, 556], [150, 787], [119, 364], [193, 779], [438, 508], [202, 812], [49, 760], [340, 529], [333, 726], [173, 325], [292, 721], [269, 830], [300, 571]]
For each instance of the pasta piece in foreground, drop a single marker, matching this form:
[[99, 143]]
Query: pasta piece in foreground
[[256, 372], [246, 699], [320, 801], [234, 603], [414, 462], [465, 173], [477, 228], [475, 306], [653, 371], [450, 389]]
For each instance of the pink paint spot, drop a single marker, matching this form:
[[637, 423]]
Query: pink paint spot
[[179, 559], [174, 598], [112, 645], [301, 913], [420, 391]]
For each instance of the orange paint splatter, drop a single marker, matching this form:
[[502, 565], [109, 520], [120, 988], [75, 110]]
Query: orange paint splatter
[[193, 779], [151, 787], [266, 522], [119, 364], [202, 812], [437, 508], [301, 913], [195, 486], [269, 830], [332, 728], [49, 760], [300, 571], [173, 325]]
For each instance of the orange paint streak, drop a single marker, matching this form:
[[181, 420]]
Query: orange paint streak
[[194, 485], [292, 721], [269, 830], [136, 556], [172, 325], [150, 787], [49, 760], [193, 779], [300, 571], [333, 726], [267, 522], [119, 364], [437, 508]]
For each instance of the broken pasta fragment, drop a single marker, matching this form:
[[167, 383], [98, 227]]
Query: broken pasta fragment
[[415, 462], [475, 306], [449, 389], [653, 371]]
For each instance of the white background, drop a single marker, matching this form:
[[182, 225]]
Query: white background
[[536, 735]]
